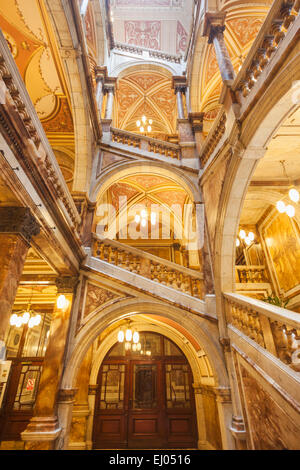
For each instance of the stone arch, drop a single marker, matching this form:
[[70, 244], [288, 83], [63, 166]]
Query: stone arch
[[126, 169], [203, 332], [278, 102], [188, 349], [78, 95]]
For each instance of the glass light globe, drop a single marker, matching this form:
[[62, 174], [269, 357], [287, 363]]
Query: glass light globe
[[121, 336], [143, 213], [144, 119], [280, 206], [290, 210], [149, 128], [19, 322], [62, 302], [138, 123], [143, 222], [150, 121], [251, 236], [139, 347], [135, 337], [294, 195], [134, 347], [37, 319], [127, 346], [137, 218], [237, 242], [242, 234], [142, 129], [128, 335], [31, 322], [25, 317], [13, 319], [247, 241]]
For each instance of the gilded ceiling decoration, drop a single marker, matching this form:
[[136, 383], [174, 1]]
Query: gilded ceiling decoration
[[147, 93], [26, 27]]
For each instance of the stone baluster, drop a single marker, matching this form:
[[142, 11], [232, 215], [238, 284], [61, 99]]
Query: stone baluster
[[280, 340]]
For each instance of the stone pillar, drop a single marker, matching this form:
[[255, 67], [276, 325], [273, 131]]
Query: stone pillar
[[78, 429], [101, 75], [237, 428], [17, 227], [202, 441], [44, 429], [185, 133], [224, 404], [196, 121], [109, 89], [214, 28]]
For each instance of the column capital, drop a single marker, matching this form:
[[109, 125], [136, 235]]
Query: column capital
[[223, 394], [109, 84], [179, 83], [66, 284], [225, 342], [101, 73], [196, 120], [214, 23], [18, 220]]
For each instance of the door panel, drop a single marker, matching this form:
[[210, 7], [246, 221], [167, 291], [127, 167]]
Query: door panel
[[145, 402]]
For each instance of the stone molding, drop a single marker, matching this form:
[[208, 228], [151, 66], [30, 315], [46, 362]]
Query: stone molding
[[66, 284], [19, 220]]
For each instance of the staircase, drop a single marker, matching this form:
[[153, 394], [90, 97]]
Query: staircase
[[162, 279]]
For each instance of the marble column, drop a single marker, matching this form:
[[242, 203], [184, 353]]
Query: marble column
[[44, 428], [185, 133], [196, 120], [214, 28], [179, 90], [17, 227], [224, 404], [110, 102], [202, 440], [100, 75]]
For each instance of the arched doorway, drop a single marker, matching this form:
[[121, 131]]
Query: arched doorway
[[145, 398]]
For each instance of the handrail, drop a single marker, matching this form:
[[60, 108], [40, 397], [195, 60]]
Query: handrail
[[280, 17], [274, 328], [131, 48], [9, 73], [148, 265], [167, 149]]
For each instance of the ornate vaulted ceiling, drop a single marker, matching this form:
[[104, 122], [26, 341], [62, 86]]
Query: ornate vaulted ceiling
[[144, 191], [146, 92], [27, 29]]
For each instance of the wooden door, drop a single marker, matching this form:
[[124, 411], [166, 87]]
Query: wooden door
[[146, 413], [145, 402]]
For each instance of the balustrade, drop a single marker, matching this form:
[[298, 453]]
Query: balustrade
[[277, 23], [149, 266], [273, 328], [246, 274], [149, 144]]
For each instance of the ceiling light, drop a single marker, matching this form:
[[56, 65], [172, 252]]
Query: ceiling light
[[294, 195], [290, 210], [280, 205], [242, 234]]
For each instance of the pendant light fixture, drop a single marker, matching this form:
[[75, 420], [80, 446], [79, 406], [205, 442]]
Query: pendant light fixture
[[130, 337], [144, 124], [26, 317], [293, 194], [245, 238]]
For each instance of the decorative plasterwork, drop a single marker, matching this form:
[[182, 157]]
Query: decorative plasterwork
[[150, 93]]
